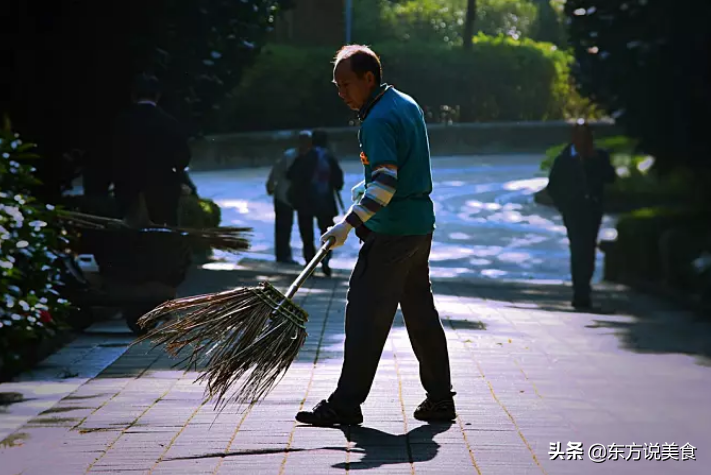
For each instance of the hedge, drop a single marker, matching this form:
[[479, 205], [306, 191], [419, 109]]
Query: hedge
[[658, 244], [500, 79]]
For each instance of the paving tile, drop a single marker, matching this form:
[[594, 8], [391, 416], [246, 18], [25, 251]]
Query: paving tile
[[555, 381]]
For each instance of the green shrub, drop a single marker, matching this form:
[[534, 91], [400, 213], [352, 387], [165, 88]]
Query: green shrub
[[639, 235], [30, 306], [198, 212], [439, 21], [501, 79]]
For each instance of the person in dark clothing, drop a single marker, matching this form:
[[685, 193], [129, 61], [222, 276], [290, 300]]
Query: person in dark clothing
[[278, 186], [315, 178], [150, 156], [576, 185]]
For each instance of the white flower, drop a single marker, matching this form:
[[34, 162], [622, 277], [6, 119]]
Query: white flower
[[22, 244], [24, 305], [31, 319], [6, 265], [13, 211], [15, 317]]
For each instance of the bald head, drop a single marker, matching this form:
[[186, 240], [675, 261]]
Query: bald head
[[357, 72]]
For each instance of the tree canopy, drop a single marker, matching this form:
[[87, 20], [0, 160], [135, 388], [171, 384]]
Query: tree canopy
[[646, 62], [73, 60]]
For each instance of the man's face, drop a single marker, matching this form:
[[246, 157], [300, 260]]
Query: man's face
[[354, 90], [582, 140]]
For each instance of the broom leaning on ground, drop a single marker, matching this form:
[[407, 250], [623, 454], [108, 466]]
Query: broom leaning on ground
[[231, 239], [247, 337]]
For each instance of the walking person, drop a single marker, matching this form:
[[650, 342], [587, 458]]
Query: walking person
[[278, 186], [394, 220], [576, 186], [150, 155], [316, 178]]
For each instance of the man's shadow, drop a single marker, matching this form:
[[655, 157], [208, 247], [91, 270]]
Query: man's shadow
[[380, 448]]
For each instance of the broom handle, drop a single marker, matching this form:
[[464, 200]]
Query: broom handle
[[306, 273]]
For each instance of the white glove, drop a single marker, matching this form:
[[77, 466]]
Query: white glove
[[357, 192], [339, 232]]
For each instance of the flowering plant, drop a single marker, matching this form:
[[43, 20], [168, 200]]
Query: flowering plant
[[31, 307]]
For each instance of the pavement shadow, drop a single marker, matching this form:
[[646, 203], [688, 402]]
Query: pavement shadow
[[643, 323], [377, 448], [381, 448]]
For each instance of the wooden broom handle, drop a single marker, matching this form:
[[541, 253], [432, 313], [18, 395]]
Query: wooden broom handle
[[311, 266]]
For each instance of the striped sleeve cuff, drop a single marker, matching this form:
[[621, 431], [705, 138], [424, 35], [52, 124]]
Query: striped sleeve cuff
[[377, 195]]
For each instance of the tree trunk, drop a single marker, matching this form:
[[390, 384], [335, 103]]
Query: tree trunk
[[469, 24]]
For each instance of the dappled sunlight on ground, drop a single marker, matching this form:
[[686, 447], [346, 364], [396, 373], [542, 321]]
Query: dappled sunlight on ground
[[487, 223], [529, 186]]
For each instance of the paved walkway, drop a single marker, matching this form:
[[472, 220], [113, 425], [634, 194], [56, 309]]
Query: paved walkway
[[530, 374]]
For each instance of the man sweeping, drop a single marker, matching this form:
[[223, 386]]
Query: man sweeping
[[394, 220]]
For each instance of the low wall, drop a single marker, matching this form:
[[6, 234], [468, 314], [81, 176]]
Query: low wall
[[257, 149]]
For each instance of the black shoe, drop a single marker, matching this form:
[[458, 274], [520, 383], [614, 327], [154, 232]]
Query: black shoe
[[326, 270], [436, 411], [325, 414]]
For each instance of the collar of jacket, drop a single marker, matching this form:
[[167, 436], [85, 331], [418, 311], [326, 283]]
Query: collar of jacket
[[372, 100]]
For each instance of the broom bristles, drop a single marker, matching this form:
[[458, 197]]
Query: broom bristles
[[228, 238], [246, 339]]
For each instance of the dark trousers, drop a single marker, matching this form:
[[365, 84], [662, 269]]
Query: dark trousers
[[283, 223], [583, 226], [391, 270], [306, 229]]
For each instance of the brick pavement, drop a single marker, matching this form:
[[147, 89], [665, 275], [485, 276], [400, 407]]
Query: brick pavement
[[528, 372]]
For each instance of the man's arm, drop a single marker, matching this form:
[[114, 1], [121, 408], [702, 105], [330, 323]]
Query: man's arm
[[337, 180], [271, 180], [380, 148], [554, 179]]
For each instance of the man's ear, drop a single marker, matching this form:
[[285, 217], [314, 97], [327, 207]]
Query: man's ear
[[370, 79]]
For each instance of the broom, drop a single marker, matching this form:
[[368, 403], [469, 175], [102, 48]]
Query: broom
[[247, 338], [231, 239]]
